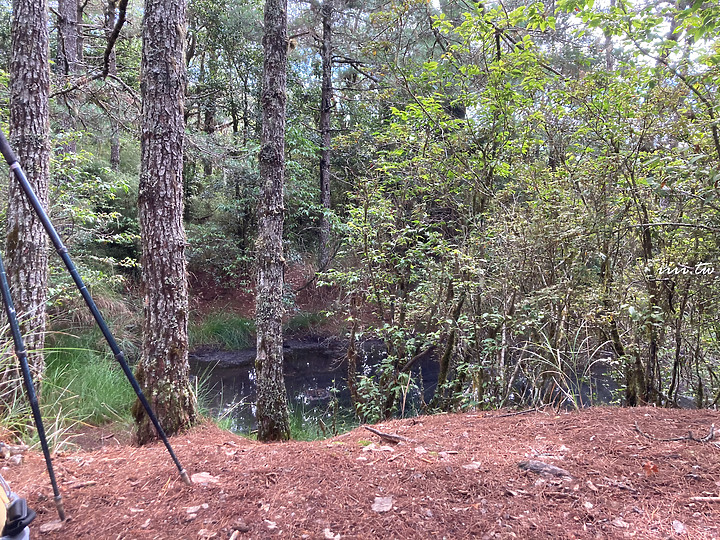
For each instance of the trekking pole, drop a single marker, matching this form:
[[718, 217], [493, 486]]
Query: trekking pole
[[21, 354], [65, 256]]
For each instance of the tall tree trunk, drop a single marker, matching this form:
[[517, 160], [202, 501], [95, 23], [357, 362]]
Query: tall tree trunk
[[80, 42], [163, 370], [272, 413], [110, 15], [67, 43], [26, 248], [66, 59], [325, 114]]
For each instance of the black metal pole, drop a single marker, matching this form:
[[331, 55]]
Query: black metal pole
[[21, 354], [9, 156]]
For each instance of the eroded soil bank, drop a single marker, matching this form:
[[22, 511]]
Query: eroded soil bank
[[458, 476]]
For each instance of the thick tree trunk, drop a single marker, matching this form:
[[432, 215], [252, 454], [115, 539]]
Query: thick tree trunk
[[272, 413], [325, 114], [163, 371], [26, 248]]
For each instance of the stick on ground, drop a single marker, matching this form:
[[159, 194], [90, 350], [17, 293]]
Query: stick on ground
[[390, 437]]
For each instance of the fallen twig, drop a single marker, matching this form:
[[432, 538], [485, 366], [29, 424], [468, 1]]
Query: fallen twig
[[78, 485], [705, 499], [689, 437], [390, 437], [516, 413]]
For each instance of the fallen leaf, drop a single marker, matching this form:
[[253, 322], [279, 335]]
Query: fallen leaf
[[328, 534], [205, 533], [650, 468], [204, 478], [51, 526], [620, 524], [374, 448], [382, 504], [679, 527]]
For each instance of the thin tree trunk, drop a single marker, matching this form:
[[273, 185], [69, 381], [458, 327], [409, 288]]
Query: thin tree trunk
[[272, 413], [80, 42], [66, 59], [110, 15], [26, 247], [439, 397], [67, 42], [325, 135], [163, 370], [653, 380]]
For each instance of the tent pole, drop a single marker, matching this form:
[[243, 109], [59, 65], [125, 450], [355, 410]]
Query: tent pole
[[21, 354], [9, 156]]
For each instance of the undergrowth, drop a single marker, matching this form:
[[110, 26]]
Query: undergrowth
[[86, 382], [224, 330]]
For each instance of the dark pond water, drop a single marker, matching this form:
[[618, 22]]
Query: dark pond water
[[315, 378], [315, 374]]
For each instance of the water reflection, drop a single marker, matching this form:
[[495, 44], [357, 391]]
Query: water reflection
[[315, 374]]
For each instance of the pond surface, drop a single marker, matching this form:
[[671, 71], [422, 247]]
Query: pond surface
[[315, 379]]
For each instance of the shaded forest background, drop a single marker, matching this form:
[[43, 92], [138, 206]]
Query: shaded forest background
[[526, 191]]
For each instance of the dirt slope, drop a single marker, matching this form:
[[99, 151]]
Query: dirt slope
[[458, 477]]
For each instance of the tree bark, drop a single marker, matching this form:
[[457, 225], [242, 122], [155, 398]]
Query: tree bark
[[110, 15], [272, 413], [163, 370], [326, 98], [66, 60], [26, 247], [80, 40], [67, 43]]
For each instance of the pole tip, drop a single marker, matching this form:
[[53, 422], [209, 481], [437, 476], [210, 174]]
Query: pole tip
[[60, 507], [185, 477]]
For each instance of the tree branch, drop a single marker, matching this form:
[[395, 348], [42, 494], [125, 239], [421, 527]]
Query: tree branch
[[121, 18]]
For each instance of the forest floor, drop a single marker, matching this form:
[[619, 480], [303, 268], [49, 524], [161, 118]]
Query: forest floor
[[453, 476]]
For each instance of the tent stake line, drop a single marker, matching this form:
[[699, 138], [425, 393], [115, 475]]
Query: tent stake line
[[15, 167]]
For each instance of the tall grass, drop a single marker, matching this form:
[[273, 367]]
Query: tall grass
[[80, 385], [219, 410], [85, 381], [305, 321], [223, 330]]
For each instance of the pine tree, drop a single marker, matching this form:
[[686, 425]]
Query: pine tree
[[26, 248], [163, 371], [272, 412]]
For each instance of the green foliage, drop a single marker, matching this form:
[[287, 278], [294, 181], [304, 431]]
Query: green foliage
[[224, 330], [305, 321], [211, 250], [313, 423], [85, 384], [519, 198]]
